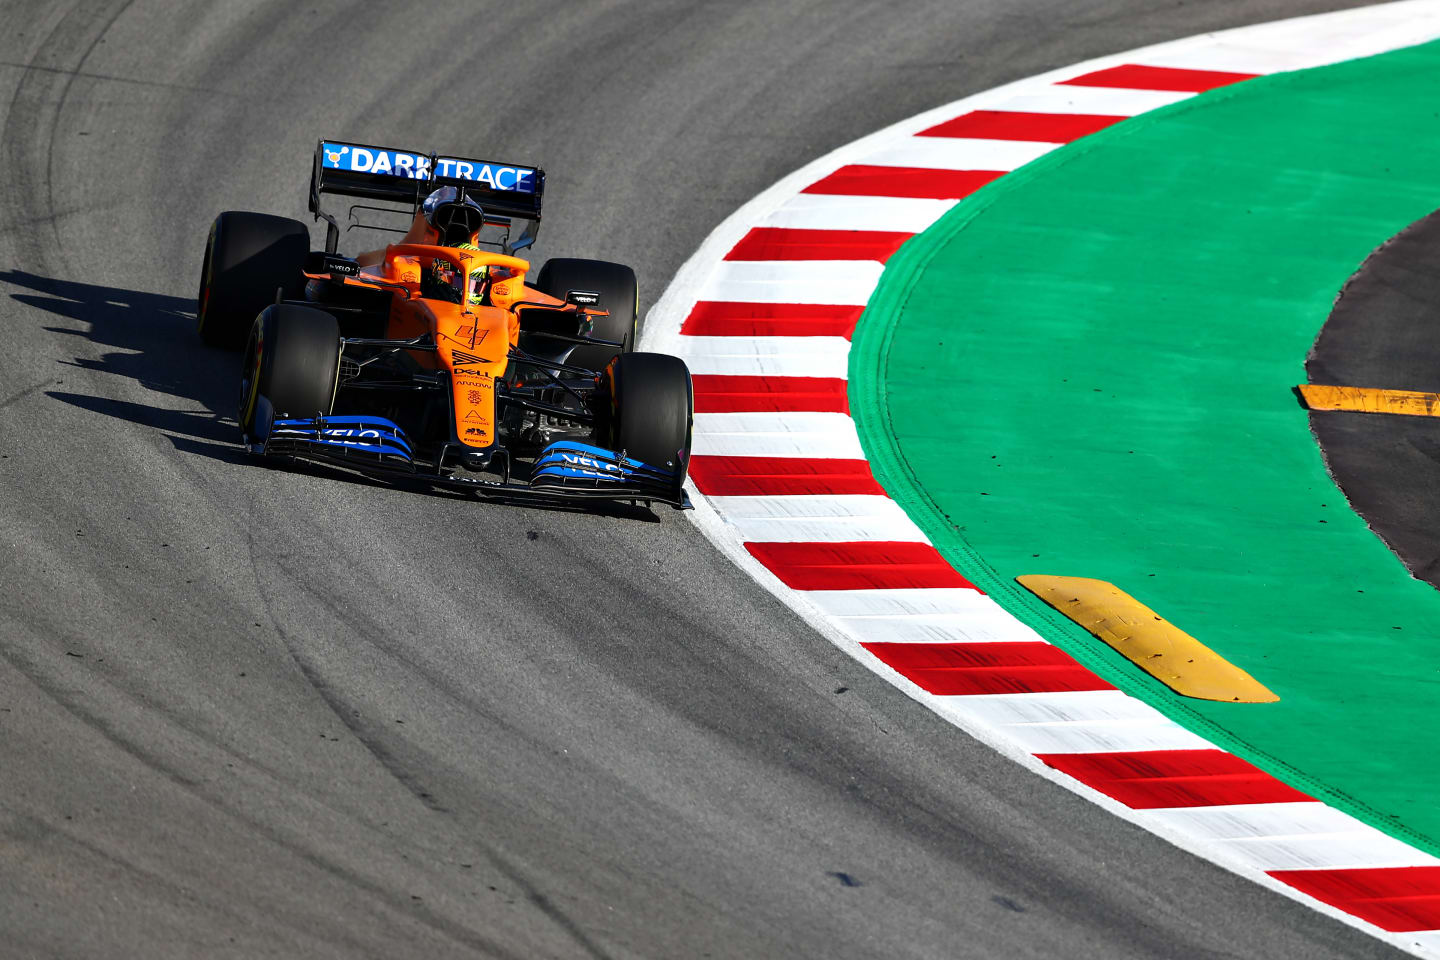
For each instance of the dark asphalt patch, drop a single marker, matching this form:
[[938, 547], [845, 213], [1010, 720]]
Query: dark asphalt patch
[[1385, 332]]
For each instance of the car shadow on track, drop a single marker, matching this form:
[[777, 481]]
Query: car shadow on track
[[156, 346], [154, 339]]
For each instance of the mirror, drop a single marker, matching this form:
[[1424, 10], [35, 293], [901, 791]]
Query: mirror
[[318, 261]]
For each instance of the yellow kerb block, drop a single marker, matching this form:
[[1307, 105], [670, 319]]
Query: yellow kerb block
[[1411, 403], [1153, 643]]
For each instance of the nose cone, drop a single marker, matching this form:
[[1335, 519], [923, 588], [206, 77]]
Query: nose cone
[[476, 460]]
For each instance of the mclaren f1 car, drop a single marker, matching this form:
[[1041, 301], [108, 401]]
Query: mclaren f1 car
[[439, 359]]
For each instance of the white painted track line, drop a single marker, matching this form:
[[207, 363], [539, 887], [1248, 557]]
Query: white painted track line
[[769, 356], [986, 623], [1070, 706], [899, 602], [793, 281], [817, 519], [950, 153], [819, 211], [817, 436], [1094, 101]]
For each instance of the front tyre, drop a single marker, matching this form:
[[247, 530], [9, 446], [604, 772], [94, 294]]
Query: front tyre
[[291, 366], [248, 256], [652, 410]]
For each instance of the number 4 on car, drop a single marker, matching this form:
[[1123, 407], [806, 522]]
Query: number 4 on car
[[437, 360]]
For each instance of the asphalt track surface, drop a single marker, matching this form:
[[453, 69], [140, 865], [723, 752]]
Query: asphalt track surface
[[248, 712], [1382, 334]]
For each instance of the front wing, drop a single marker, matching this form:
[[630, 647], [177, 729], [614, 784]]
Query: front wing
[[378, 447]]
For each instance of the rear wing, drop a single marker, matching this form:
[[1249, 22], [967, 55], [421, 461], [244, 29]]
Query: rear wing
[[505, 191]]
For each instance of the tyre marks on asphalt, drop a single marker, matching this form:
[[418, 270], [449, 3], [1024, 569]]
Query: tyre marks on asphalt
[[782, 477]]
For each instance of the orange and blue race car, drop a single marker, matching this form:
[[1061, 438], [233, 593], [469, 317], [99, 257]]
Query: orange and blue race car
[[438, 359]]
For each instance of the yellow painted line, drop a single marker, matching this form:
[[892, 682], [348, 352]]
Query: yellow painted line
[[1412, 403], [1153, 643]]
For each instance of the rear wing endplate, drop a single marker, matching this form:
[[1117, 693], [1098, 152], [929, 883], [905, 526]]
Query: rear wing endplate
[[387, 174]]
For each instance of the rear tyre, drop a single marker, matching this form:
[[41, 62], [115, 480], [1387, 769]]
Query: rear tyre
[[292, 361], [619, 294], [247, 258], [652, 410]]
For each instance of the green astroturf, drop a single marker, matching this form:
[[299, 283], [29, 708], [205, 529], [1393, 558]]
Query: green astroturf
[[1086, 369]]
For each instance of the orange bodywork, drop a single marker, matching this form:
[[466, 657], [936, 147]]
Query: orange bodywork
[[472, 341]]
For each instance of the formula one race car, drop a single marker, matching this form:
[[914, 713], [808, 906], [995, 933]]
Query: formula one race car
[[434, 360]]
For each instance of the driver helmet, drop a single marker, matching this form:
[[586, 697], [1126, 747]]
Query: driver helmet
[[479, 277], [455, 219], [441, 281]]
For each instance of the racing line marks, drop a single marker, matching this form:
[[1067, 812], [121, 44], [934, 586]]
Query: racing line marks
[[784, 489]]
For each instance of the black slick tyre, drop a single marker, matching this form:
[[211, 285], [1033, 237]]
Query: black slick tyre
[[619, 294], [248, 256], [652, 410], [292, 360]]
